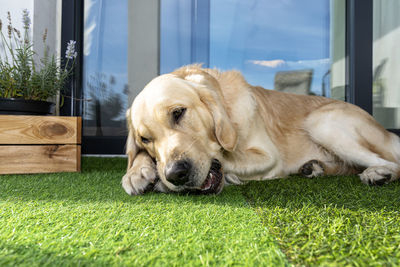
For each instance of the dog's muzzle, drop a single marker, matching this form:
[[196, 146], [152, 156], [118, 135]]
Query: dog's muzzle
[[214, 181], [178, 173]]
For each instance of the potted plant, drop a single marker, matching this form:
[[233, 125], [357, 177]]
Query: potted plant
[[26, 84]]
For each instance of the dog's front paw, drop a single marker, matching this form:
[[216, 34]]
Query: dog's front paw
[[141, 177], [138, 181]]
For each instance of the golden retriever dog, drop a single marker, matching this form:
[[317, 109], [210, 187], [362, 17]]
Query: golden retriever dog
[[196, 130]]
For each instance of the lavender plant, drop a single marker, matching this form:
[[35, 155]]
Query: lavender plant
[[23, 77]]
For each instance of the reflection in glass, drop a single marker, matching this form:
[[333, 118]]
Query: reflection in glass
[[386, 62], [105, 68], [290, 46]]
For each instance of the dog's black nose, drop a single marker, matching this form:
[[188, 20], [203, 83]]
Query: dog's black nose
[[177, 172]]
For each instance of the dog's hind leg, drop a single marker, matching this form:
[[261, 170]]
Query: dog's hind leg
[[357, 139]]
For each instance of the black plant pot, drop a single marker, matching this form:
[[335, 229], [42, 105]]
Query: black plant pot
[[18, 106]]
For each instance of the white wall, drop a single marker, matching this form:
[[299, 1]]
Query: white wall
[[43, 13], [15, 7]]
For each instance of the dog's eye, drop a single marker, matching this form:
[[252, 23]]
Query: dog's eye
[[144, 140], [177, 114]]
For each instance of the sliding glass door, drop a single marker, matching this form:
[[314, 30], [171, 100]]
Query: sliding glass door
[[104, 75], [313, 47]]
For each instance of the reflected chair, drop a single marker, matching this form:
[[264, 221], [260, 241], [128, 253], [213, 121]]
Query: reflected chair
[[297, 81]]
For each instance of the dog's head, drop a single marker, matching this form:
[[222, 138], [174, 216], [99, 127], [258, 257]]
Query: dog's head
[[180, 120]]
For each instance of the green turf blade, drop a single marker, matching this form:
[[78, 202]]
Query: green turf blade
[[331, 221], [87, 219]]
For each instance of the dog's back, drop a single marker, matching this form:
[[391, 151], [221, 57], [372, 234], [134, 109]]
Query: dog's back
[[341, 137]]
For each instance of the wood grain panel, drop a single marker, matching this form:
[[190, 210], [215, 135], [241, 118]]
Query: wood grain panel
[[39, 158], [40, 130]]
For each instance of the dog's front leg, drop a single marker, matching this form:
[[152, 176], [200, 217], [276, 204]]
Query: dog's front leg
[[142, 176]]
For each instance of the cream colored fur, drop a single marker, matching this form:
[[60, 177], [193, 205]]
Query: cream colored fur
[[256, 134]]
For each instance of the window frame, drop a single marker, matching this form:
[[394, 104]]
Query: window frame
[[359, 53], [359, 43]]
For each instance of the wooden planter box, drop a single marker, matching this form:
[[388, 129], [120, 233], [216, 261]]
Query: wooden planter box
[[39, 144]]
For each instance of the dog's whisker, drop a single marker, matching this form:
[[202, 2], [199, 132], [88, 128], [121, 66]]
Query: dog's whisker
[[191, 144]]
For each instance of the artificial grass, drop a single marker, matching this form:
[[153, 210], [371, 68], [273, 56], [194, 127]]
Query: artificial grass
[[330, 220], [87, 219]]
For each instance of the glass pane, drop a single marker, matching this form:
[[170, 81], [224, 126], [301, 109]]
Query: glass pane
[[386, 62], [291, 46], [175, 34], [105, 67]]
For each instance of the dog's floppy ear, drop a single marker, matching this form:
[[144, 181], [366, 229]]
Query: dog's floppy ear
[[131, 148], [210, 94]]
